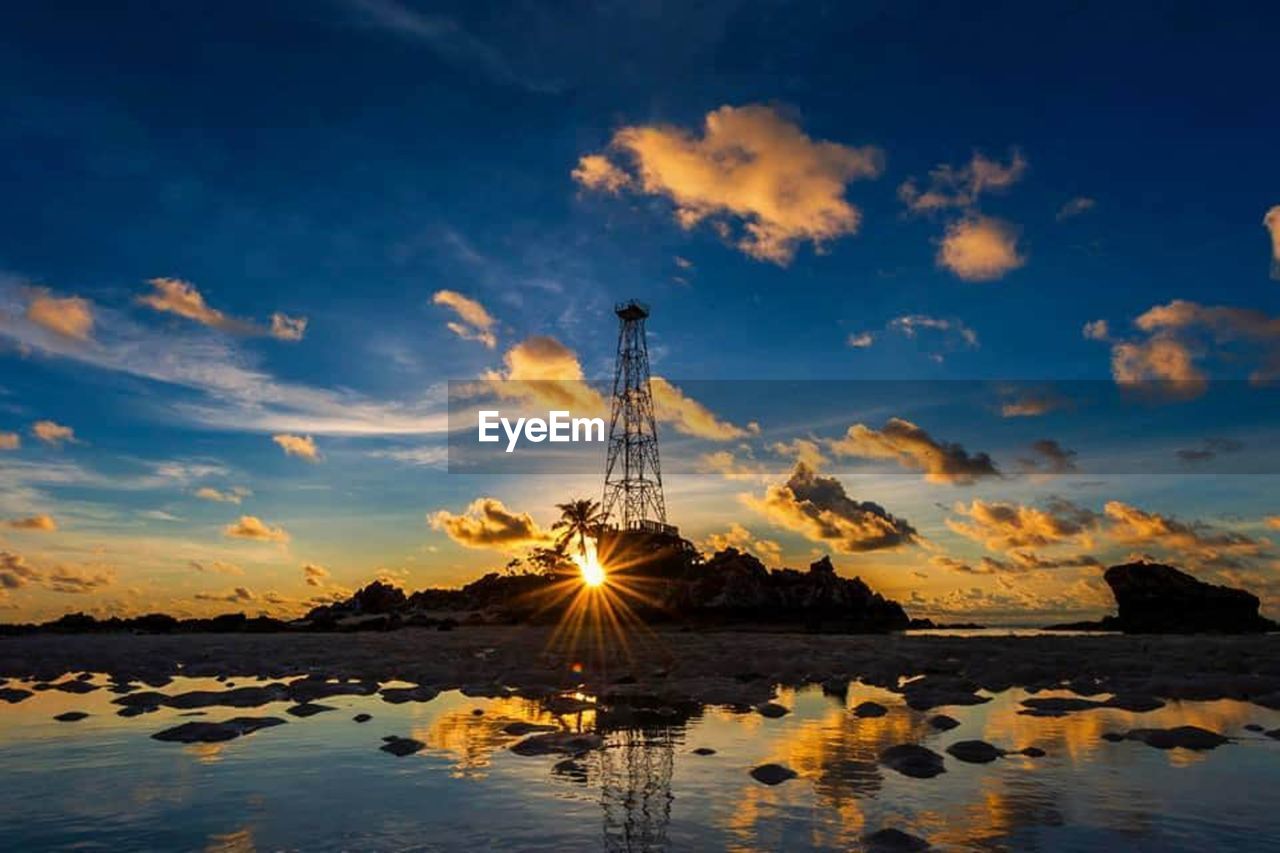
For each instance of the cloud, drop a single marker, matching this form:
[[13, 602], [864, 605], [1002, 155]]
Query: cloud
[[952, 187], [237, 394], [1018, 562], [737, 536], [228, 496], [52, 432], [1031, 404], [216, 567], [1002, 526], [541, 370], [1273, 522], [726, 463], [1209, 448], [980, 248], [819, 508], [302, 446], [1075, 207], [16, 572], [286, 328], [596, 172], [476, 323], [315, 575], [861, 340], [751, 166], [1048, 457], [947, 335], [432, 456], [239, 595], [71, 317], [252, 527], [915, 449], [1096, 330], [688, 416], [39, 523], [1272, 223], [74, 580], [182, 298], [1133, 526], [803, 450], [1181, 333], [10, 441], [487, 523]]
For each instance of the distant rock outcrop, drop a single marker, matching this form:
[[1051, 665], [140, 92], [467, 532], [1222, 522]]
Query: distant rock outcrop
[[1153, 598]]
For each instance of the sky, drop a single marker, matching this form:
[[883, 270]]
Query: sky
[[977, 300]]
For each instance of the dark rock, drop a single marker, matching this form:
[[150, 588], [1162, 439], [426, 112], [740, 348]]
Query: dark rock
[[14, 695], [238, 697], [362, 718], [558, 742], [909, 759], [71, 716], [308, 709], [891, 840], [1031, 752], [772, 774], [943, 723], [974, 751], [772, 710], [520, 728], [1253, 727], [1274, 734], [202, 732], [401, 746], [1113, 737], [703, 750], [870, 709], [400, 695], [76, 686], [570, 768], [1153, 598], [933, 691], [1184, 737]]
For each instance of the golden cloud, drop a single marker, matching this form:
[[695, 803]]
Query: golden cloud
[[1134, 526], [596, 172], [182, 298], [739, 537], [10, 441], [819, 508], [1006, 527], [52, 432], [16, 572], [39, 523], [750, 165], [78, 580], [980, 248], [475, 323], [952, 187], [71, 317], [487, 523], [915, 449], [217, 567], [229, 496], [315, 575], [302, 446], [688, 416], [252, 527]]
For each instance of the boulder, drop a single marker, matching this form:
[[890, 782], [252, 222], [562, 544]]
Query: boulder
[[891, 840], [1153, 598], [772, 774], [910, 759], [870, 709], [71, 716], [202, 732], [401, 746], [974, 751]]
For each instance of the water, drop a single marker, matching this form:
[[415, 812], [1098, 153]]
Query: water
[[322, 784]]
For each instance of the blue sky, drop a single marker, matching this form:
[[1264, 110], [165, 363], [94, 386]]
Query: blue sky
[[346, 161]]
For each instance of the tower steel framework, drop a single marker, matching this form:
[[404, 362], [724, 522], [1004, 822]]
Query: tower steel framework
[[633, 475]]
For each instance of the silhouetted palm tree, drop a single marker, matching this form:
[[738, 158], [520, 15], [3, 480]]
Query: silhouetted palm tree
[[579, 518]]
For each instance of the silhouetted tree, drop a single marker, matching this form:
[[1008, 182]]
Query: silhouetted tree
[[579, 518]]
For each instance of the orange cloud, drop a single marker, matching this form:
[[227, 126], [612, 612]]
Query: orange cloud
[[474, 322], [980, 248], [38, 523], [302, 446], [182, 298], [10, 441], [252, 527], [819, 508], [737, 536], [1005, 527], [52, 432], [487, 523], [951, 187], [229, 496], [1135, 526], [688, 416], [596, 172], [70, 317], [914, 448], [315, 575], [750, 165]]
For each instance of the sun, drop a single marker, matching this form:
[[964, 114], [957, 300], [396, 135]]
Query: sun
[[589, 565], [593, 573]]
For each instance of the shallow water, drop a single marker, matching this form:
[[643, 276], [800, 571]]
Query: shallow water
[[322, 783]]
